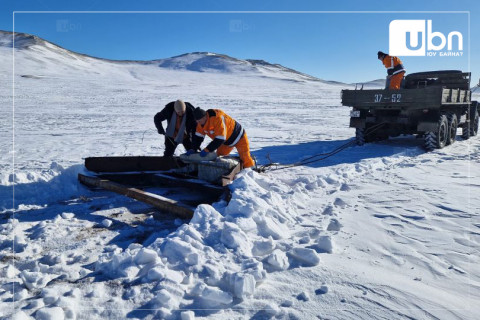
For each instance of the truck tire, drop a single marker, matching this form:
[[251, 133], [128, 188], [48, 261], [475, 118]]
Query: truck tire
[[470, 129], [360, 136], [452, 128], [367, 135], [437, 139], [474, 124], [466, 131]]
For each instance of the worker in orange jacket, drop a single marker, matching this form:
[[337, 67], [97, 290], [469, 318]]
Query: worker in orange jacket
[[226, 134], [394, 67]]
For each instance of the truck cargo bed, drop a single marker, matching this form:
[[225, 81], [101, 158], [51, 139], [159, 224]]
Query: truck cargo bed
[[420, 98]]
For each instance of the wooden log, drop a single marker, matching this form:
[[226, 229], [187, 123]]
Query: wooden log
[[227, 179], [132, 179], [167, 179], [155, 200], [197, 185], [132, 163]]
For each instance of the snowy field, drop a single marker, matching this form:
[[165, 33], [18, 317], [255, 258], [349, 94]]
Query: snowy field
[[383, 231]]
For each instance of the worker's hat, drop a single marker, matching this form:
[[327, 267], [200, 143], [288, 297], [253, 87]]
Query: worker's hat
[[199, 113], [381, 54]]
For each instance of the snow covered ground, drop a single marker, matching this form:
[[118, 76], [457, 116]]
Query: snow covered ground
[[383, 231]]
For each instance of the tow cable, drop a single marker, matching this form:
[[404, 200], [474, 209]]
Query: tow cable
[[272, 166]]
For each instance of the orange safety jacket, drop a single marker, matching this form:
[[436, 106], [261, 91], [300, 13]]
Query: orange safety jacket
[[219, 126], [393, 64]]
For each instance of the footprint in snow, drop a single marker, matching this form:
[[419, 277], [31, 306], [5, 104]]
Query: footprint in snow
[[328, 210], [334, 225], [340, 203], [407, 165], [303, 296], [322, 290]]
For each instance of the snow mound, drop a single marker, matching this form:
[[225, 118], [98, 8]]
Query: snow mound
[[220, 255], [32, 187]]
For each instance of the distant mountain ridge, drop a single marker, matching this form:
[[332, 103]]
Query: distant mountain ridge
[[373, 84], [195, 61]]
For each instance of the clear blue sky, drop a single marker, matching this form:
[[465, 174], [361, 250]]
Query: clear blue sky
[[333, 46]]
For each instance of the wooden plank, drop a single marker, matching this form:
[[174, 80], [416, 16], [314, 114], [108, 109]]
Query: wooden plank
[[133, 179], [446, 93], [227, 179], [199, 185], [169, 179], [155, 200], [132, 163], [454, 98]]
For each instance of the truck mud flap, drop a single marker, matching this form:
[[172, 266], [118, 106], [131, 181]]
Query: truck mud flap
[[427, 126], [357, 123]]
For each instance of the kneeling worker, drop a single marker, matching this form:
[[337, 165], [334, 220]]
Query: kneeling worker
[[226, 133], [394, 67], [180, 128]]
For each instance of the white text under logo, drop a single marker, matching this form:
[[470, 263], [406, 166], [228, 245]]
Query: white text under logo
[[416, 38]]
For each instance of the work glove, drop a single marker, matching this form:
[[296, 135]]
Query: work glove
[[204, 153], [161, 130], [189, 152]]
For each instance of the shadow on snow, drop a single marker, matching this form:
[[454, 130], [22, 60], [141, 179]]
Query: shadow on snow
[[287, 154]]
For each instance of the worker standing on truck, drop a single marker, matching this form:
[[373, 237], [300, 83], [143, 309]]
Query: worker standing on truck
[[180, 128], [226, 133], [395, 69]]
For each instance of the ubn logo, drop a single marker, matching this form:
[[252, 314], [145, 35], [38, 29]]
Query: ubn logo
[[408, 38]]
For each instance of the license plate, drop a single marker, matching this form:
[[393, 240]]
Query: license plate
[[355, 114]]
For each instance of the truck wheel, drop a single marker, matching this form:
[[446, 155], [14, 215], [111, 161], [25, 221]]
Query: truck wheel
[[452, 128], [474, 124], [470, 129], [367, 134], [438, 139], [360, 136], [466, 131]]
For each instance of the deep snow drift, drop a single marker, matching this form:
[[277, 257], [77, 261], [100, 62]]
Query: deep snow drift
[[380, 231]]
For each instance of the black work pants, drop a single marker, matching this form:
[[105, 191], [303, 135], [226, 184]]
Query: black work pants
[[171, 145]]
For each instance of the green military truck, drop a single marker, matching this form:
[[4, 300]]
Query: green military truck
[[431, 104]]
